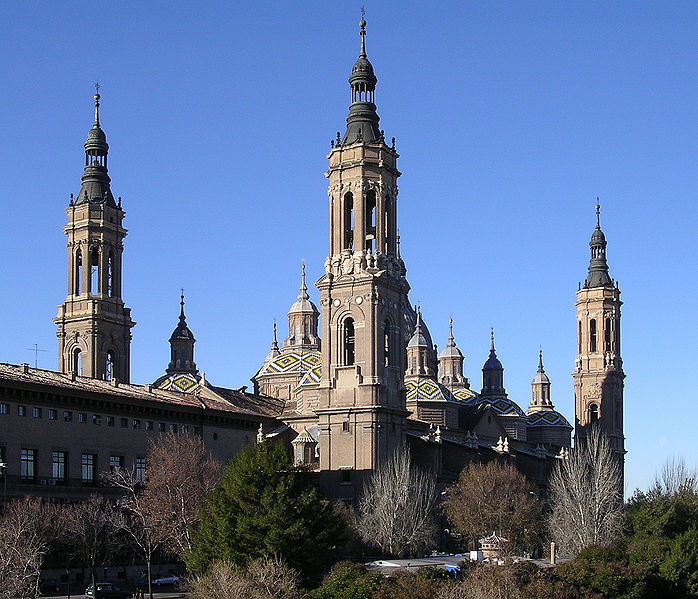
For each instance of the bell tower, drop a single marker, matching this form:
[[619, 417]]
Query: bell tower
[[366, 317], [598, 375], [94, 327]]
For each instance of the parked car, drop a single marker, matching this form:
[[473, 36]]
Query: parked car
[[167, 579], [48, 586], [106, 590]]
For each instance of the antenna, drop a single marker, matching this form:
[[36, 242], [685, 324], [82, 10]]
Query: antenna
[[36, 351]]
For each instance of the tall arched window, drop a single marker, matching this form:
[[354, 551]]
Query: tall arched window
[[348, 221], [607, 335], [94, 271], [579, 337], [370, 216], [386, 344], [592, 335], [78, 270], [77, 361], [387, 223], [110, 367], [110, 275], [349, 342], [593, 413]]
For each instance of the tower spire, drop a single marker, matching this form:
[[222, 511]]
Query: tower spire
[[303, 295], [362, 122], [97, 96], [598, 267]]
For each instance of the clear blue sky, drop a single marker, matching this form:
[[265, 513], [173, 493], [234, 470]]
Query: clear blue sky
[[510, 118]]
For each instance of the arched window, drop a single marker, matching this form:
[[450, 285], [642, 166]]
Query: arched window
[[579, 337], [592, 335], [110, 369], [110, 275], [349, 342], [593, 413], [370, 216], [386, 344], [78, 270], [348, 221], [607, 335], [94, 271], [77, 361], [387, 223]]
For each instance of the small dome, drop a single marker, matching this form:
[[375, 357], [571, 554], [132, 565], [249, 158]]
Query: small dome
[[96, 136], [450, 351], [493, 362], [419, 338], [303, 305], [540, 378], [597, 237]]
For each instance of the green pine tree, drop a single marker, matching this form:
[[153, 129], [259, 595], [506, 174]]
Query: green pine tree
[[265, 506]]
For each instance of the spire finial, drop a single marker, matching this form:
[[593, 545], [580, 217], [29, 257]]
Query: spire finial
[[491, 338], [540, 360], [304, 289], [598, 212], [362, 24], [181, 304], [97, 96], [450, 328]]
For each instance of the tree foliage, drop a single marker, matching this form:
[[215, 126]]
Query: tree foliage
[[396, 509], [585, 497], [494, 497], [265, 506]]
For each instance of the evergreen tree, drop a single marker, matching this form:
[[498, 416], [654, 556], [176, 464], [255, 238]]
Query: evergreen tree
[[265, 506]]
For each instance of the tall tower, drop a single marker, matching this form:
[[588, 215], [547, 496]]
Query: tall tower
[[366, 317], [94, 327], [598, 375], [493, 375], [540, 389]]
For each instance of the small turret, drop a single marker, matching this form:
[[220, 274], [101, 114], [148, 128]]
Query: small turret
[[418, 351], [302, 321], [182, 346], [540, 389], [493, 374], [451, 363]]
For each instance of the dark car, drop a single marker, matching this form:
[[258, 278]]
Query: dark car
[[49, 586], [106, 590]]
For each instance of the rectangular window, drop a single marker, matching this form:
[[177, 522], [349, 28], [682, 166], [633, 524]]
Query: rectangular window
[[68, 416], [110, 420], [116, 462], [197, 430], [36, 412], [4, 408], [27, 462], [52, 414], [58, 466], [3, 460], [140, 469], [161, 427], [89, 461], [82, 417], [136, 423], [21, 410], [185, 428], [172, 428], [96, 419], [149, 425], [124, 423]]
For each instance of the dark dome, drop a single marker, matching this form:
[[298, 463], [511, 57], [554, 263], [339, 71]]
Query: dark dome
[[493, 363], [597, 237]]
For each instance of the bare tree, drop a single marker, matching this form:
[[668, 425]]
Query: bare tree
[[585, 496], [494, 497], [396, 509], [675, 478], [264, 578], [483, 582], [26, 530], [180, 474], [90, 528], [141, 523]]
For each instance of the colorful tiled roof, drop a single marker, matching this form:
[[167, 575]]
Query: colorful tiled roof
[[291, 362], [548, 418], [182, 382], [311, 378], [430, 390], [502, 405]]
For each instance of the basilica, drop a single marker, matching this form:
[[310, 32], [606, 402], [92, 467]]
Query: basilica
[[353, 381]]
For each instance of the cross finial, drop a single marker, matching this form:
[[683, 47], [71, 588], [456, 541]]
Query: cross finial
[[362, 24], [492, 338]]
